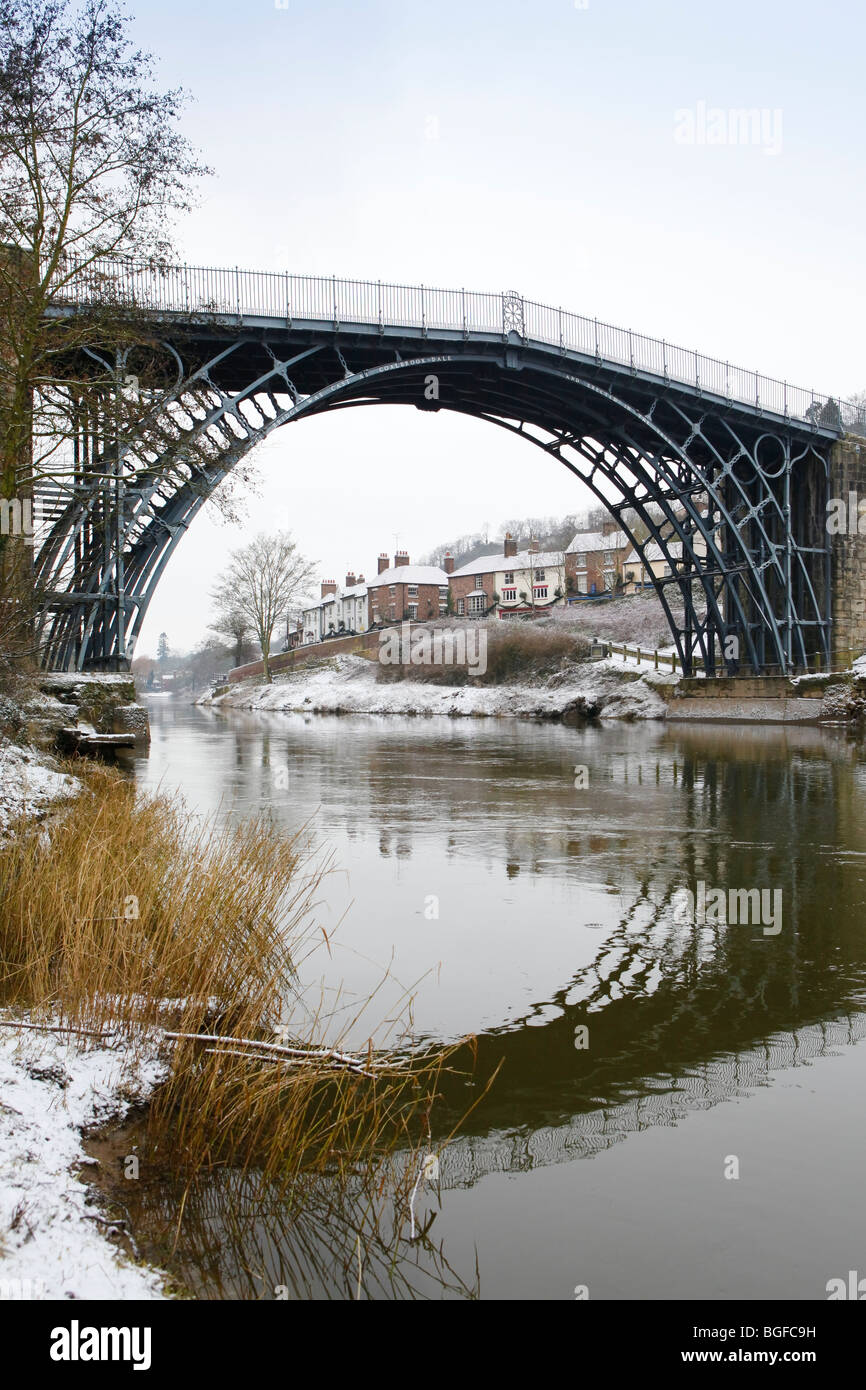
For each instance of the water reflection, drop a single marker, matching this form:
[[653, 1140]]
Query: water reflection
[[554, 911]]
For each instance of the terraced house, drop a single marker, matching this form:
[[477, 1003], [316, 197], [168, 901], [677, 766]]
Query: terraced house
[[509, 583], [594, 562], [405, 591]]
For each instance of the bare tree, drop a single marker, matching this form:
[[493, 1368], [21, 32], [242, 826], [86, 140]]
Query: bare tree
[[263, 581], [92, 166]]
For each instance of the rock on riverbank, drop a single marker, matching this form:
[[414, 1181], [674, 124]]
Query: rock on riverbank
[[30, 784]]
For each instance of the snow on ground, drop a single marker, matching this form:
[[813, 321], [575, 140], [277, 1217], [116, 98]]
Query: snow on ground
[[29, 783], [348, 685], [53, 1087]]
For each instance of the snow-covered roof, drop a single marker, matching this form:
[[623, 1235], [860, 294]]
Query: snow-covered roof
[[653, 552], [409, 574], [500, 562], [321, 603], [356, 591], [592, 541]]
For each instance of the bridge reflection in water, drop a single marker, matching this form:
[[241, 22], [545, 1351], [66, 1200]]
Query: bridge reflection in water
[[541, 883]]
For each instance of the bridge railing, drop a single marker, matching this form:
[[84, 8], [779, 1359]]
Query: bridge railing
[[244, 293]]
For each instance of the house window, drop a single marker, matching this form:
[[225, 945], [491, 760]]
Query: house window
[[443, 610], [509, 577], [539, 576], [413, 590], [540, 591], [581, 583], [461, 606], [443, 593], [477, 603], [580, 561], [630, 576], [413, 611], [393, 611], [509, 595]]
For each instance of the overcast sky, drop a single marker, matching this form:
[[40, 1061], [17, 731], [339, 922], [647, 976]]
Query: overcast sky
[[539, 145]]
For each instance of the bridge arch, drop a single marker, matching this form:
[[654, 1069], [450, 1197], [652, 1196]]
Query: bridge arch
[[729, 493]]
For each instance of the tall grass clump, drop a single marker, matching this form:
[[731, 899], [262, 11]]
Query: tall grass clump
[[185, 936], [516, 650]]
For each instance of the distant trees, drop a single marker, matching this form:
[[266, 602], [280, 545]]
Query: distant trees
[[263, 581], [552, 533], [162, 649], [233, 624]]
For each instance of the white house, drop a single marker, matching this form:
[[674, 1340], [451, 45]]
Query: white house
[[638, 573], [338, 610], [509, 582]]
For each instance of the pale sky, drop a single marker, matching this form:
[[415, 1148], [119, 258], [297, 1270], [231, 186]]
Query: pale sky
[[508, 145]]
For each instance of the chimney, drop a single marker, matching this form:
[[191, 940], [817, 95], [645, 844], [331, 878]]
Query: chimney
[[510, 548], [401, 558], [609, 526], [361, 579], [329, 586], [533, 547], [384, 563], [448, 563], [351, 581]]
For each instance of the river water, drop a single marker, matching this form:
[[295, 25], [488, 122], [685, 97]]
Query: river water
[[680, 1109]]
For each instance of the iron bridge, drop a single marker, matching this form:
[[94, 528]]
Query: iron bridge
[[727, 471]]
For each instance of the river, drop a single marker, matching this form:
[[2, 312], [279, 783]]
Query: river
[[680, 1112]]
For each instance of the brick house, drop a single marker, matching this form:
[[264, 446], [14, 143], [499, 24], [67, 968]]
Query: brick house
[[594, 562], [405, 591]]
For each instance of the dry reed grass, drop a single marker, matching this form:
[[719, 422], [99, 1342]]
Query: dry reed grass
[[133, 904]]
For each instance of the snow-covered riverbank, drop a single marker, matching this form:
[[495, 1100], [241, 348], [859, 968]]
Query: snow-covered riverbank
[[30, 783], [54, 1240], [348, 685]]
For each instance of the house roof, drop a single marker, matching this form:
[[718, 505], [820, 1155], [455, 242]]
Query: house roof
[[320, 603], [409, 574], [653, 552], [592, 541], [356, 591], [498, 563]]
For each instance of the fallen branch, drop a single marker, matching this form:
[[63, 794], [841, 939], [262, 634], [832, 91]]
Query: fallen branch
[[280, 1050], [49, 1028], [284, 1061]]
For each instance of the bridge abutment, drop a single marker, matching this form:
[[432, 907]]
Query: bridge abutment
[[848, 549]]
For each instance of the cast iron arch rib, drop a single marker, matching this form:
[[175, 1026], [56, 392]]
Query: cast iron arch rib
[[714, 485]]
